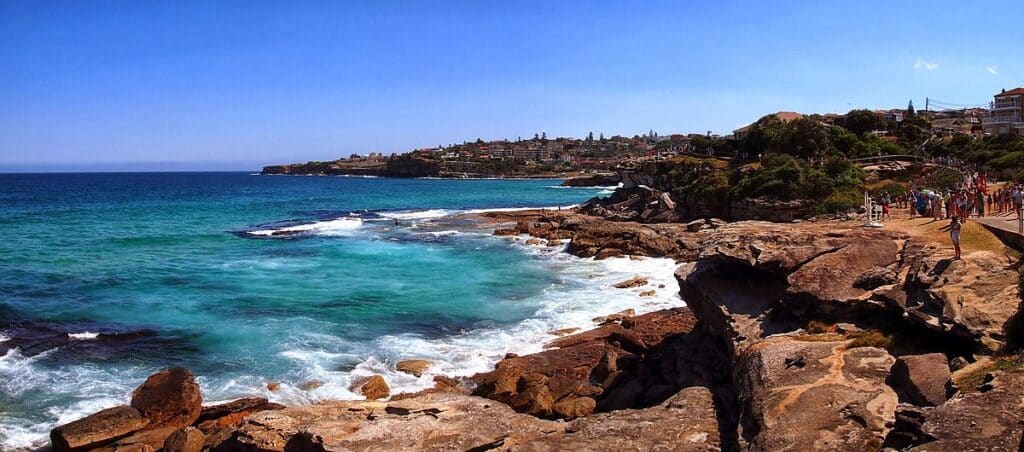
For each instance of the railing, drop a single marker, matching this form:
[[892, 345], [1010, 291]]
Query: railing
[[1005, 104]]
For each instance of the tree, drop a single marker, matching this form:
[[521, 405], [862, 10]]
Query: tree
[[861, 121], [543, 135], [910, 109], [536, 137], [590, 137], [806, 138], [602, 137]]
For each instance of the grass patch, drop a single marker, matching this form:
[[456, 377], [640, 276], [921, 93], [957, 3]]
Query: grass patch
[[819, 327], [971, 381], [870, 338], [973, 236]]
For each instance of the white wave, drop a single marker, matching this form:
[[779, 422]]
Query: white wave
[[442, 233], [517, 209], [338, 226], [416, 214], [4, 338], [588, 187], [83, 336]]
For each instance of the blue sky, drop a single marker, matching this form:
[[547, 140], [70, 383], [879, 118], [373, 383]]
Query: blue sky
[[205, 85]]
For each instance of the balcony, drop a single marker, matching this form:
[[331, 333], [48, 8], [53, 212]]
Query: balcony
[[1000, 120], [1006, 104]]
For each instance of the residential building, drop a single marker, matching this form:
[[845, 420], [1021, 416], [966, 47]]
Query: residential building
[[1006, 113], [951, 126]]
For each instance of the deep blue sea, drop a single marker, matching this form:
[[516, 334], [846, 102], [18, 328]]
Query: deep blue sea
[[249, 280]]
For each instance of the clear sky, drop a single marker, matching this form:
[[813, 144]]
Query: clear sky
[[218, 85]]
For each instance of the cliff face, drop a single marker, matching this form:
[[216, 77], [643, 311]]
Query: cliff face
[[406, 166]]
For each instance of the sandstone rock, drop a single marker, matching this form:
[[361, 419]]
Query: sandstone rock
[[921, 379], [574, 407], [635, 281], [311, 385], [837, 400], [375, 388], [272, 387], [216, 417], [98, 429], [533, 241], [685, 422], [583, 365], [148, 439], [563, 331], [429, 422], [169, 398], [555, 242], [648, 293], [185, 440], [607, 253], [415, 367], [617, 317], [992, 420], [695, 225]]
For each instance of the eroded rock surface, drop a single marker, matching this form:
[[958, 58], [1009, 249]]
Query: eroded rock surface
[[169, 398]]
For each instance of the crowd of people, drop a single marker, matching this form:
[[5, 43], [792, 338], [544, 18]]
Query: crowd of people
[[972, 199]]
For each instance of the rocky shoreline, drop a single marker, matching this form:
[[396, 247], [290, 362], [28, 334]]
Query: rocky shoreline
[[796, 336]]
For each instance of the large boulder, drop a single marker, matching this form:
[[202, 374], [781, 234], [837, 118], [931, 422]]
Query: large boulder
[[375, 388], [415, 367], [224, 415], [98, 429], [185, 440], [169, 398], [150, 439], [922, 380]]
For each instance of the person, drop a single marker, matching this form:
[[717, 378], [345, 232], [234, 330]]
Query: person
[[954, 234], [886, 200], [979, 203], [1018, 199]]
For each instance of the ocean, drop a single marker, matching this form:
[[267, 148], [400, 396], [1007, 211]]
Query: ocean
[[249, 280]]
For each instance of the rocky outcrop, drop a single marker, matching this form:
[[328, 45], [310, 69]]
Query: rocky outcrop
[[415, 367], [185, 440], [922, 380], [374, 387], [445, 421], [604, 369], [165, 414], [169, 398], [595, 237], [97, 430], [760, 286], [218, 417], [430, 422], [593, 180], [989, 419]]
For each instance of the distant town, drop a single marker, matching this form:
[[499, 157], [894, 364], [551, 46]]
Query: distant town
[[897, 130]]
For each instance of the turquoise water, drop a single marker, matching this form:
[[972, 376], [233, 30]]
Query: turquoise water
[[249, 279]]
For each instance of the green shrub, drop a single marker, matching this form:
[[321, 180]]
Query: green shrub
[[842, 201]]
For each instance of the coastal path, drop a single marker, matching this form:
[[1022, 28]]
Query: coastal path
[[1005, 226]]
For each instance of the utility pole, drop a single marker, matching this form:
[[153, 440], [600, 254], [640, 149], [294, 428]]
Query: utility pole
[[925, 107]]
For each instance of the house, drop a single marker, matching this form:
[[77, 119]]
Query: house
[[1005, 113], [893, 115], [784, 116], [951, 126]]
